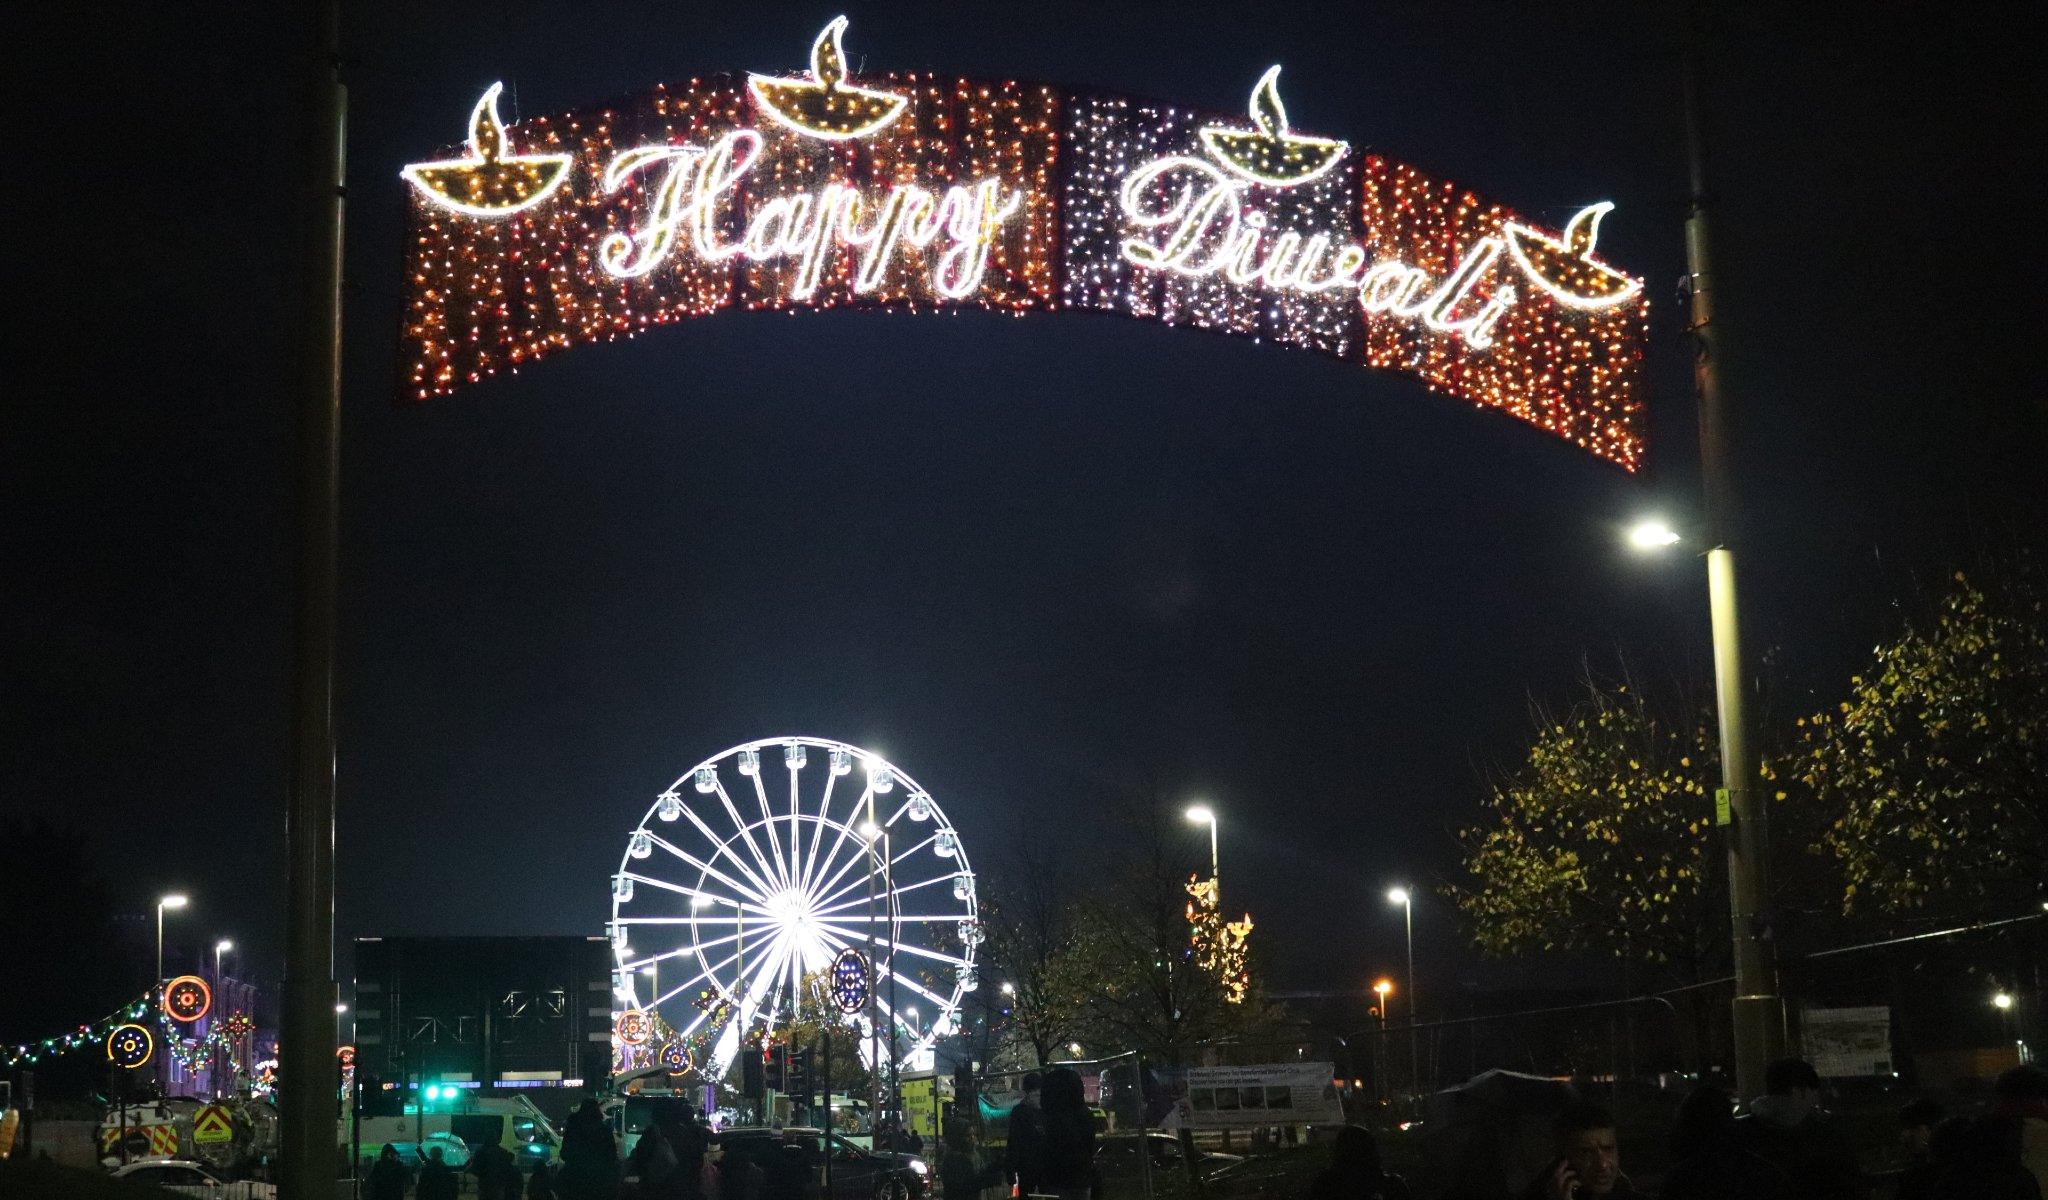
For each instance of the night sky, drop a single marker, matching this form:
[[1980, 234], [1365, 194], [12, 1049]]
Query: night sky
[[1038, 563]]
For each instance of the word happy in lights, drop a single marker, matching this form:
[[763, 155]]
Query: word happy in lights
[[692, 186]]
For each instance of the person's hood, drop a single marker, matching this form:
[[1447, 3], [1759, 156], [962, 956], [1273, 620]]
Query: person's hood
[[1781, 1112]]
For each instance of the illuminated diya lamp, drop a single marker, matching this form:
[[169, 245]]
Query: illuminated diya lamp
[[1271, 153], [1565, 267], [490, 182], [825, 105]]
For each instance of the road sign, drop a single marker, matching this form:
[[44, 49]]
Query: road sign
[[212, 1125]]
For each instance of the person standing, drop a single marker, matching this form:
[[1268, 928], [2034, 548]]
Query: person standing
[[542, 1184], [497, 1175], [1788, 1129], [1354, 1172], [1024, 1159], [2023, 1099], [388, 1176], [1067, 1164], [437, 1180], [1706, 1161], [590, 1156], [1588, 1160]]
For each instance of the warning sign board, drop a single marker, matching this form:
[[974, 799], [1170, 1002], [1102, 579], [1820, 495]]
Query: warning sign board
[[212, 1125]]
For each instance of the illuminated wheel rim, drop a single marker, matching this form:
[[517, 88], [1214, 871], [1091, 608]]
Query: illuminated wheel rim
[[751, 872]]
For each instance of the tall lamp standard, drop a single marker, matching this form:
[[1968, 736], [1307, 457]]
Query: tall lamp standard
[[1202, 814], [172, 901], [1383, 988], [1401, 896], [219, 948]]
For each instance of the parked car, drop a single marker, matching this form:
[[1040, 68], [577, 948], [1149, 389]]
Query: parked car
[[190, 1178], [857, 1173]]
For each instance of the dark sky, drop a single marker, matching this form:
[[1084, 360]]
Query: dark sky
[[1035, 562]]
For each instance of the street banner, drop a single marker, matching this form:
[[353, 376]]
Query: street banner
[[1249, 1097], [1849, 1043]]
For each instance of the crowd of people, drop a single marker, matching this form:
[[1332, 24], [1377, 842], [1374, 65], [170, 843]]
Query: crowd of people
[[1784, 1148]]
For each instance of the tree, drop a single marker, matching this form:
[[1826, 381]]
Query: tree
[[1601, 842], [1936, 759], [1031, 946]]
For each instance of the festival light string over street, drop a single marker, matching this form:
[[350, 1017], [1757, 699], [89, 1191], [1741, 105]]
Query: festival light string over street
[[920, 192]]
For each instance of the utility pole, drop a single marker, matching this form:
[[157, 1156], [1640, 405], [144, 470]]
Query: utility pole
[[1759, 1012], [305, 1103]]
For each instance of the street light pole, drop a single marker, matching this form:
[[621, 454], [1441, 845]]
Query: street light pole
[[1758, 1011], [220, 947], [1406, 900], [1202, 814], [176, 901]]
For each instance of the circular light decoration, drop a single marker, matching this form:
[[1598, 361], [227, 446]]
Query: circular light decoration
[[634, 1027], [676, 1057], [850, 980], [130, 1046], [763, 866], [187, 998]]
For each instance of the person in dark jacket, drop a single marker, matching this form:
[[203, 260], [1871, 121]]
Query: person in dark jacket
[[1354, 1172], [388, 1176], [1978, 1158], [1069, 1158], [1707, 1163], [1588, 1160], [1025, 1157], [437, 1180], [497, 1175], [962, 1173], [590, 1156], [1787, 1129], [541, 1185]]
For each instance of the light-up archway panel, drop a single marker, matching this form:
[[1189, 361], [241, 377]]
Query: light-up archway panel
[[916, 191]]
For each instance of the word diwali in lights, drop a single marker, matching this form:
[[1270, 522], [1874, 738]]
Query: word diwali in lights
[[689, 189]]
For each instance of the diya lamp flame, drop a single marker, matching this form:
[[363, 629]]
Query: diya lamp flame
[[1271, 153], [490, 182], [825, 105], [1565, 267]]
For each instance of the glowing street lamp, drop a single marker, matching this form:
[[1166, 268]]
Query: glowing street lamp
[[1382, 989], [1009, 989], [175, 900], [219, 948], [1402, 897], [1758, 1010], [1202, 814], [2002, 1001]]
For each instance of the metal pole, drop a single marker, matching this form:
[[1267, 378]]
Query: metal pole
[[1758, 1011], [159, 945], [825, 1072], [1414, 1014], [305, 1114]]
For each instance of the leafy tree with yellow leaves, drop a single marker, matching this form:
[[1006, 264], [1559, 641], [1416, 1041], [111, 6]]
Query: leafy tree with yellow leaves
[[1938, 759], [1602, 841]]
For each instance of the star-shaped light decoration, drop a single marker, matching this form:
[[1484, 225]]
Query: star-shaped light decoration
[[1271, 153], [825, 105], [490, 182], [1565, 267]]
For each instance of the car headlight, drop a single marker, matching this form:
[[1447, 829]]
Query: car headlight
[[917, 1165]]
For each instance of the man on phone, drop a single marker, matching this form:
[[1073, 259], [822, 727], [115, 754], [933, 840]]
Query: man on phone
[[1588, 1162]]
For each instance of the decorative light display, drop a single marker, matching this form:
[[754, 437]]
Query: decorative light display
[[130, 1046], [238, 1025], [632, 1027], [1270, 152], [489, 183], [919, 192], [850, 980], [187, 998], [825, 105], [767, 878], [30, 1053], [676, 1057], [1216, 945]]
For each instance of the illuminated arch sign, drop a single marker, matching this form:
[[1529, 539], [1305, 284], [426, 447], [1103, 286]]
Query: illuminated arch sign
[[925, 192]]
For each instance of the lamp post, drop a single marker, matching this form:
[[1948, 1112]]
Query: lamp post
[[1401, 896], [1202, 814], [219, 948], [171, 901], [1383, 988]]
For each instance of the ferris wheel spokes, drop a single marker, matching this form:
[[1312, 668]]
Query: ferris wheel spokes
[[768, 820], [846, 829], [746, 831], [759, 892]]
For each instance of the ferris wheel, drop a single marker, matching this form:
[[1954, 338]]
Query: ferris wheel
[[758, 867]]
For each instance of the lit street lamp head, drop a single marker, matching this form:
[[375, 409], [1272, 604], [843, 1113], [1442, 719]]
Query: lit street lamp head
[[1202, 814], [2002, 1001], [1397, 895], [1383, 987], [1652, 534], [223, 946], [176, 901]]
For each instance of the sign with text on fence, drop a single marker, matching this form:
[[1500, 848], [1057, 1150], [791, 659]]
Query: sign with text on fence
[[1266, 1094], [1848, 1043], [918, 191]]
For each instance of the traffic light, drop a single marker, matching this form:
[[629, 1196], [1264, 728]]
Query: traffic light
[[771, 1067], [799, 1077], [750, 1074]]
